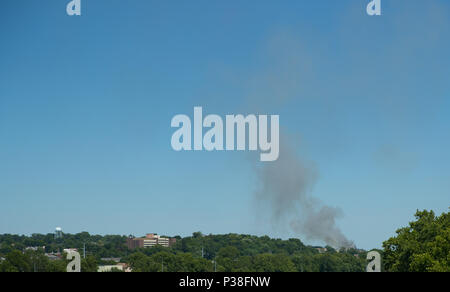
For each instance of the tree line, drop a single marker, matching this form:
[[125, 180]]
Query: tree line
[[422, 246]]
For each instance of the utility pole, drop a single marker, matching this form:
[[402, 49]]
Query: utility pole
[[84, 250]]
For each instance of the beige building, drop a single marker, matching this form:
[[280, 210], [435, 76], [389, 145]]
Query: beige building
[[108, 268], [150, 240]]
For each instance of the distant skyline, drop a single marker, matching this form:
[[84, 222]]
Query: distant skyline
[[86, 104]]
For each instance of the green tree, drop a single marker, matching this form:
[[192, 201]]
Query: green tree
[[423, 246], [305, 263], [7, 267], [58, 266], [89, 264], [273, 263], [17, 261], [139, 262]]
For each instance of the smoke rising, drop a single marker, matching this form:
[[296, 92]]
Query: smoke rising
[[303, 67], [286, 185]]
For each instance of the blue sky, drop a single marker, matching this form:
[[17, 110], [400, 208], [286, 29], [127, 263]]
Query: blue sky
[[86, 104]]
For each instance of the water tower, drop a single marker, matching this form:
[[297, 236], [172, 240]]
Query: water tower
[[58, 232]]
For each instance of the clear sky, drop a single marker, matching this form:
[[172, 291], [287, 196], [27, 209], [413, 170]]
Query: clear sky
[[86, 104]]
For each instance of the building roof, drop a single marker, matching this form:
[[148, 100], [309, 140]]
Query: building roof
[[111, 259]]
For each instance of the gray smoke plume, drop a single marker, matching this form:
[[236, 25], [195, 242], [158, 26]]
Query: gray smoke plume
[[294, 70], [286, 185]]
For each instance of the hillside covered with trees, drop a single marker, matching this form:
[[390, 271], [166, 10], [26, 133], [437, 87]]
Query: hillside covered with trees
[[423, 246]]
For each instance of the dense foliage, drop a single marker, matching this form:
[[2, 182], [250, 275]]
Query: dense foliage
[[245, 253], [231, 252], [101, 246], [423, 246]]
